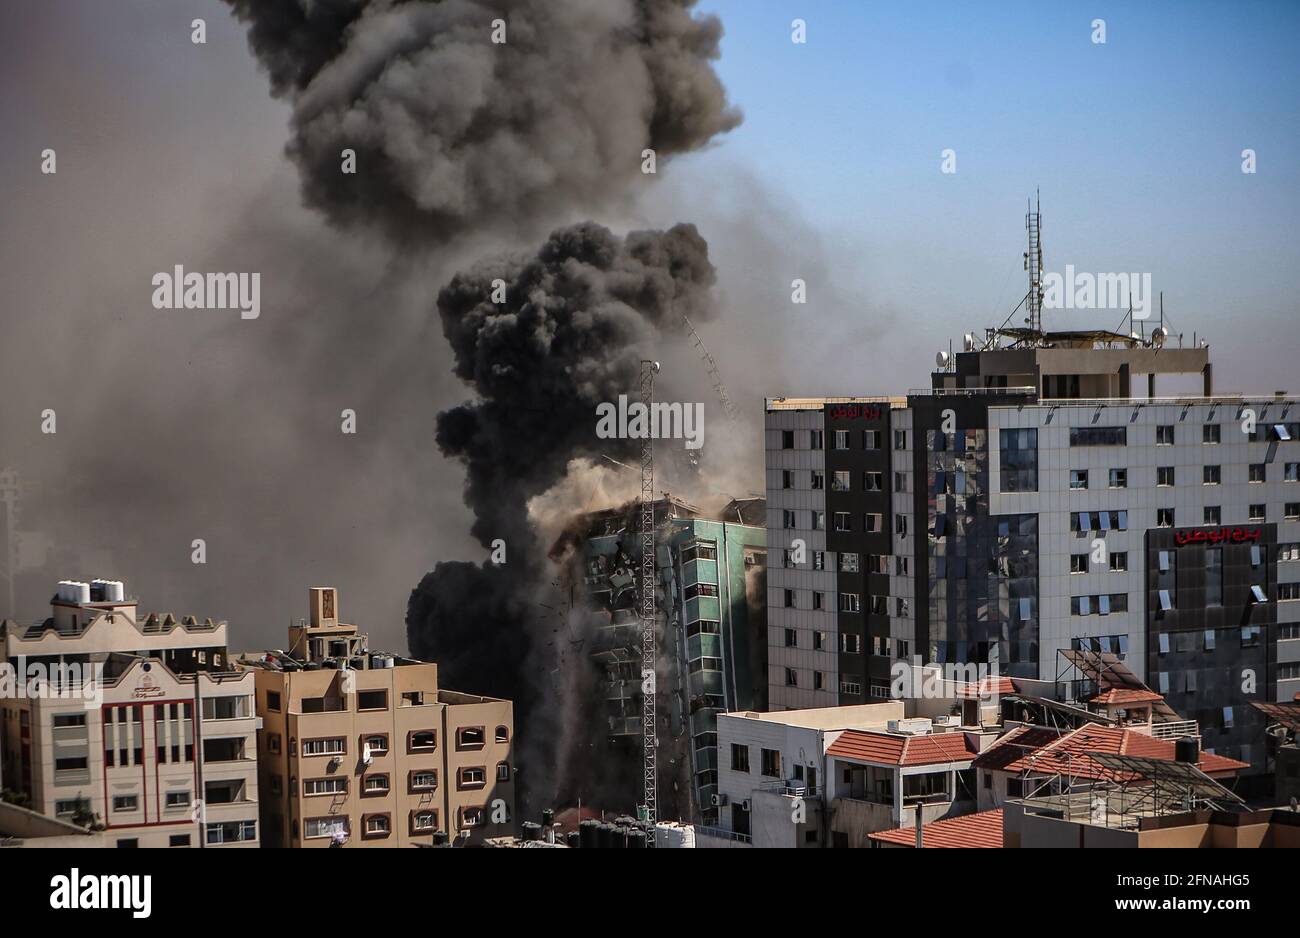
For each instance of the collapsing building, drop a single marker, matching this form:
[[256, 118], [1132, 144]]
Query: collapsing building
[[711, 634]]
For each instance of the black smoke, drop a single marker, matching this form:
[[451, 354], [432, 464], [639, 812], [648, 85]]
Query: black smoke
[[576, 322], [455, 134]]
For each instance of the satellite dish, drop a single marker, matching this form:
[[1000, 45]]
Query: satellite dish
[[970, 341], [941, 359]]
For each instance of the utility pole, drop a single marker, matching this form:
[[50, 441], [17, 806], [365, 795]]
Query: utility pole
[[648, 612]]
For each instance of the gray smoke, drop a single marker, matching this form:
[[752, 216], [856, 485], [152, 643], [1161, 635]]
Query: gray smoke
[[577, 320], [455, 134]]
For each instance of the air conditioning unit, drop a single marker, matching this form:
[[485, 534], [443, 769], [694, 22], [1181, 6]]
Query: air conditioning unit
[[335, 762], [744, 805], [718, 801]]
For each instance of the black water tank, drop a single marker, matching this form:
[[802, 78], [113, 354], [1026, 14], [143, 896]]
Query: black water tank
[[1187, 749], [637, 839], [532, 830], [587, 832], [440, 838], [574, 839], [548, 817]]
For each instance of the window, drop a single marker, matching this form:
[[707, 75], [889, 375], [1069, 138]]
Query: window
[[818, 480], [471, 776], [841, 439], [849, 602], [1257, 472], [1210, 433], [471, 816], [324, 786], [819, 680], [818, 600], [423, 780], [65, 720], [1165, 435], [1213, 514], [787, 439], [787, 479], [322, 747], [871, 439], [1078, 478], [1019, 458], [819, 520], [470, 737], [376, 825], [1078, 563], [874, 522], [791, 678], [816, 440], [791, 638], [421, 740], [372, 700], [787, 518], [770, 763], [900, 439], [1257, 512], [1288, 592], [900, 525], [424, 821], [503, 734], [850, 644], [375, 784], [1291, 511], [318, 827], [178, 840], [1119, 478], [1211, 475], [1098, 436], [1164, 517], [1291, 472], [820, 640], [126, 802], [1288, 552], [1119, 561], [376, 744], [840, 480], [849, 562], [178, 799], [843, 521], [739, 758], [850, 688], [900, 481], [787, 598], [873, 481], [1164, 475]]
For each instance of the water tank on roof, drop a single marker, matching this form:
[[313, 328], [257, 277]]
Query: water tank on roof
[[1187, 749]]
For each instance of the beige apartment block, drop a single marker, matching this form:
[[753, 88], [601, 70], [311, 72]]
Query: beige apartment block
[[103, 723], [362, 749]]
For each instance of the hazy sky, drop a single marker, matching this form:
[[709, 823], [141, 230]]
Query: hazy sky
[[174, 426]]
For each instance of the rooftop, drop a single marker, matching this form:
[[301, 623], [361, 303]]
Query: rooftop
[[983, 829], [901, 750]]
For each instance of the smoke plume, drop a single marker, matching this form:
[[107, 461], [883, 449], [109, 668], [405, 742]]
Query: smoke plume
[[577, 319], [455, 133]]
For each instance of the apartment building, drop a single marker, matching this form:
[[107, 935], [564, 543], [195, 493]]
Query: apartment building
[[712, 638], [1028, 504], [360, 748], [139, 725]]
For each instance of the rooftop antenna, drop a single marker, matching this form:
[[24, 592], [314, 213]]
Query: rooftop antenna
[[1034, 262]]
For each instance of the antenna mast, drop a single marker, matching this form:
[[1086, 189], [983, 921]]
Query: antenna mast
[[648, 612], [1034, 262]]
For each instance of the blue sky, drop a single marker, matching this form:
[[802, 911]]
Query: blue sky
[[1135, 143]]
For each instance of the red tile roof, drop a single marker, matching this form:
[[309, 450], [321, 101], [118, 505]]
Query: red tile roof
[[987, 687], [1045, 751], [969, 830], [890, 749], [1122, 696]]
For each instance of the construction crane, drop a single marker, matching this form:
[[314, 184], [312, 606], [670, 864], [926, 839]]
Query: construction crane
[[649, 725]]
